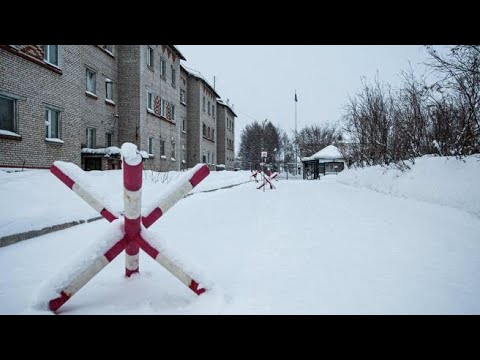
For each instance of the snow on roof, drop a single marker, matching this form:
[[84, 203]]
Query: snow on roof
[[198, 75], [111, 150], [328, 153], [221, 102], [180, 55]]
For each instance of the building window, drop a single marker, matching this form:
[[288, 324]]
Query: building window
[[163, 68], [213, 158], [173, 149], [208, 132], [162, 147], [174, 77], [208, 108], [163, 108], [91, 138], [150, 101], [184, 128], [213, 134], [52, 124], [204, 158], [208, 157], [183, 99], [150, 145], [109, 48], [213, 111], [91, 81], [108, 139], [7, 114], [109, 89], [173, 112], [149, 56], [184, 154], [203, 104], [204, 130], [51, 54]]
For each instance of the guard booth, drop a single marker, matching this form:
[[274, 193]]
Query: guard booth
[[327, 161]]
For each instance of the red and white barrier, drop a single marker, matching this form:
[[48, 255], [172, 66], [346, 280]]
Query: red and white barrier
[[255, 173], [266, 180], [66, 172], [85, 274], [174, 193], [132, 202], [130, 239]]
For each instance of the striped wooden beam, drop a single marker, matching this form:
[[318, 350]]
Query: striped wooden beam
[[175, 193], [95, 266], [171, 266], [132, 200], [83, 193]]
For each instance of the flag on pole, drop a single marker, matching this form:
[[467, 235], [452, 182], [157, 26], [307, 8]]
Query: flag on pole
[[296, 97]]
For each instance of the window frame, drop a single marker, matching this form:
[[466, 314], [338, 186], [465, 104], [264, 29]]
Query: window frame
[[87, 70], [183, 97], [108, 139], [163, 108], [108, 82], [163, 68], [150, 145], [15, 113], [93, 138], [149, 101], [48, 123], [150, 57], [47, 53], [173, 153], [162, 147], [174, 76]]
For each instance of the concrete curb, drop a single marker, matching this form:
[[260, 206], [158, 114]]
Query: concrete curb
[[14, 238]]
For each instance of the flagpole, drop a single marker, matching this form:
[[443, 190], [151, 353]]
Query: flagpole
[[296, 137]]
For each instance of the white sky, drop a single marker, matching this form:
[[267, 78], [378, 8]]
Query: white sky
[[260, 80]]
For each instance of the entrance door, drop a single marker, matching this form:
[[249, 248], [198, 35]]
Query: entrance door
[[93, 164]]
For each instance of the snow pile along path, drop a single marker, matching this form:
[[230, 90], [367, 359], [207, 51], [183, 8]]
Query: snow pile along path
[[440, 180]]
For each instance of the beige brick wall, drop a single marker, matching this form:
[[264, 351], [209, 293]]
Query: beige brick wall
[[37, 87]]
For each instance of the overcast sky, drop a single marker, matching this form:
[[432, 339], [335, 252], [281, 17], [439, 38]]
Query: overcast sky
[[260, 80]]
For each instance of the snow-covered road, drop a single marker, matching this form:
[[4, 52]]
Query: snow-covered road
[[308, 247]]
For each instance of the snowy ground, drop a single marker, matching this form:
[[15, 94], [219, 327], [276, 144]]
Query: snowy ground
[[34, 199], [308, 247]]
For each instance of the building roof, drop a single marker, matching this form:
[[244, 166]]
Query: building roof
[[198, 75], [221, 102], [175, 49], [328, 153]]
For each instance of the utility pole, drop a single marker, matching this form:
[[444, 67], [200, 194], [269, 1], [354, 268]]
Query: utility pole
[[296, 144]]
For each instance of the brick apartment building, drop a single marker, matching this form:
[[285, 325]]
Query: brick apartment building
[[79, 103], [202, 124], [226, 135]]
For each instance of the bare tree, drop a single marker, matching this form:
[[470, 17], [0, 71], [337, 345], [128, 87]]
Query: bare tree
[[314, 138], [459, 72]]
